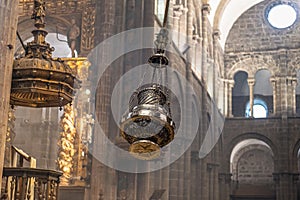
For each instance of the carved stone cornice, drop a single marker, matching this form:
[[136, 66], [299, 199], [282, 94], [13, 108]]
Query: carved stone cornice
[[277, 177], [206, 9], [57, 7], [225, 177], [178, 10], [216, 34], [251, 81]]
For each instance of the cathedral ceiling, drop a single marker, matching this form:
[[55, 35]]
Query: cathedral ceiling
[[224, 13], [222, 16]]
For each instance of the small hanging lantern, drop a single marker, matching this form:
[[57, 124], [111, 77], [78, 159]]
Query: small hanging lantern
[[38, 80]]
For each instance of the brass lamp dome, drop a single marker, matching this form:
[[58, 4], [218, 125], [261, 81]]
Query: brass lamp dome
[[38, 80], [41, 83]]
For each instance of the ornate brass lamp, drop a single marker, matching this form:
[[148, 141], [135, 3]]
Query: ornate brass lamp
[[149, 126], [38, 80]]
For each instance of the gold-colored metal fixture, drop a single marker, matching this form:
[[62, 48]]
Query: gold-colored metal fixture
[[39, 80], [149, 126]]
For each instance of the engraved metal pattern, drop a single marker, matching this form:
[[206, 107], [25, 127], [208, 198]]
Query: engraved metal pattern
[[148, 126]]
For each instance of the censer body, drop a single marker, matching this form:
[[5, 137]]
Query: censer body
[[148, 126]]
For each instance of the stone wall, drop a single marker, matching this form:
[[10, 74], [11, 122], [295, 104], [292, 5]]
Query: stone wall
[[8, 25], [37, 133], [253, 164], [252, 32]]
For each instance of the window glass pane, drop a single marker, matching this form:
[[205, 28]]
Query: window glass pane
[[160, 9], [259, 111], [282, 16]]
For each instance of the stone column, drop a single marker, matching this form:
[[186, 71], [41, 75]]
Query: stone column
[[224, 185], [286, 185], [251, 83], [8, 25], [281, 83], [230, 85], [282, 92], [291, 88], [216, 38], [294, 86], [105, 26], [273, 81], [178, 10], [205, 13], [225, 95]]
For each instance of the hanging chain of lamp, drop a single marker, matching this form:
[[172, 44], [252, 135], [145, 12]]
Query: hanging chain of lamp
[[149, 126], [39, 80]]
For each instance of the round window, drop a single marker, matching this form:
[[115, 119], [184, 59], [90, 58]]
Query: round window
[[282, 16]]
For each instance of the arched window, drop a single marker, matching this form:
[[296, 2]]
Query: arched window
[[260, 109], [247, 162], [240, 93], [58, 41], [263, 93]]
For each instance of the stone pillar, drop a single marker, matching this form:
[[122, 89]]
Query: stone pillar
[[216, 38], [213, 176], [273, 81], [286, 185], [178, 10], [205, 13], [8, 25], [251, 83], [281, 90], [230, 85], [225, 95], [294, 103], [224, 185], [291, 88], [105, 26]]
